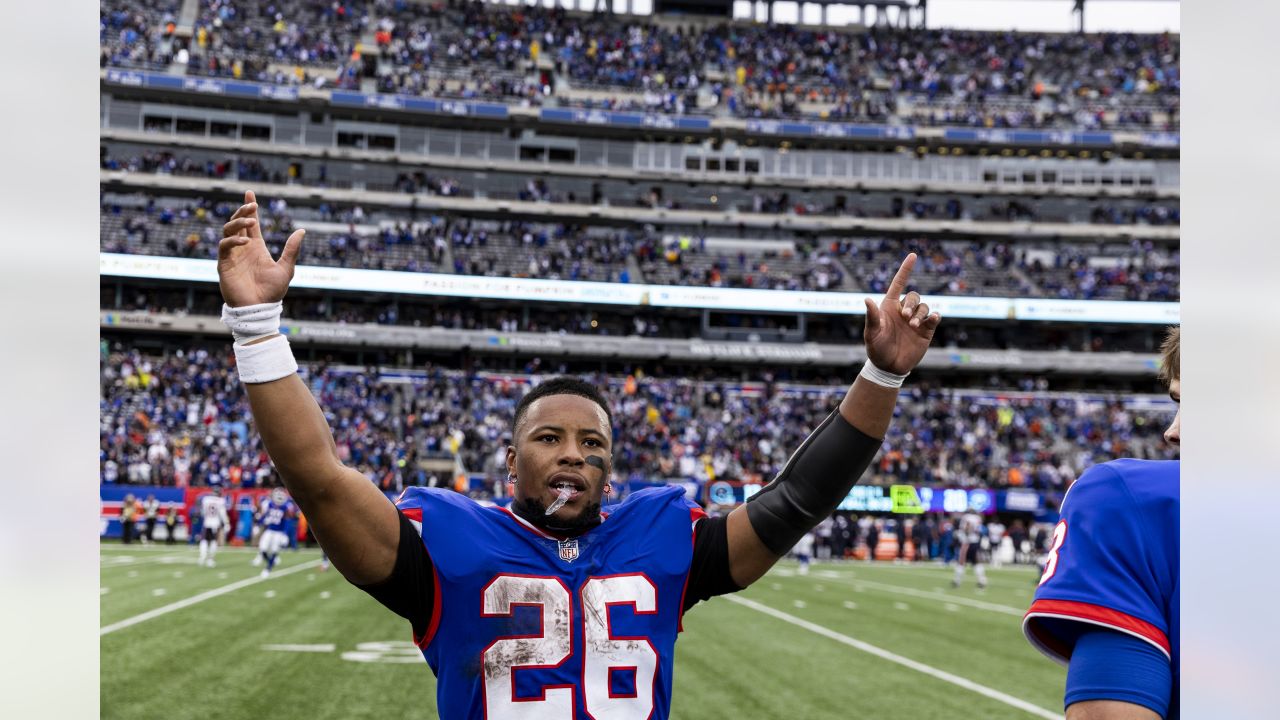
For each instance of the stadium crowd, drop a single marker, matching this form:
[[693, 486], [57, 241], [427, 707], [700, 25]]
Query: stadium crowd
[[476, 50], [432, 243], [183, 419], [139, 34]]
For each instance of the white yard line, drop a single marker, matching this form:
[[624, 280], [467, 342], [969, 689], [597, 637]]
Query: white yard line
[[900, 660], [858, 583], [207, 595], [1009, 576], [942, 597], [110, 562], [320, 648], [118, 549]]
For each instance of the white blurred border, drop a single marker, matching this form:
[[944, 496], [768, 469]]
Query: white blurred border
[[48, 361], [1230, 361]]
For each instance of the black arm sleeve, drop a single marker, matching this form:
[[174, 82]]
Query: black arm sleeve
[[814, 481], [709, 573], [410, 590]]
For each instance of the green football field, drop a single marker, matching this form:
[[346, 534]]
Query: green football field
[[849, 640]]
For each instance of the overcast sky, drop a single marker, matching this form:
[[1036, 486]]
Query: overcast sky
[[1043, 15]]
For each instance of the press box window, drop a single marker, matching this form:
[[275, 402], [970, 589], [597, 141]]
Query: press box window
[[382, 142], [188, 126], [255, 132], [562, 155], [157, 123], [351, 140], [223, 129]]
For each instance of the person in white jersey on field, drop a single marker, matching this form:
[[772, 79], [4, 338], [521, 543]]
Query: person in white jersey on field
[[213, 508], [969, 530]]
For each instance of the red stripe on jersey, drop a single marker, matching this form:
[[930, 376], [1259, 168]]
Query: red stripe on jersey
[[414, 513], [695, 514], [1092, 614], [425, 640]]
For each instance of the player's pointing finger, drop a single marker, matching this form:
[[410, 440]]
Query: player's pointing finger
[[901, 277]]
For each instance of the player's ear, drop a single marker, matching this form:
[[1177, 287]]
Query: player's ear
[[511, 458]]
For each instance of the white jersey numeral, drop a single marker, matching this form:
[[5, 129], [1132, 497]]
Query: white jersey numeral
[[546, 650], [605, 652], [1051, 565]]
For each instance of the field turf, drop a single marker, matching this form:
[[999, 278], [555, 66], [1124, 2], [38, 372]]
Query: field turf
[[849, 640]]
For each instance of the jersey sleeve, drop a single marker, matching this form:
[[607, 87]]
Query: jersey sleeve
[[709, 571], [410, 591], [1105, 569]]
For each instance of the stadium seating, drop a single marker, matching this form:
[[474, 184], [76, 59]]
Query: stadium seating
[[390, 240], [137, 34], [551, 56], [191, 404]]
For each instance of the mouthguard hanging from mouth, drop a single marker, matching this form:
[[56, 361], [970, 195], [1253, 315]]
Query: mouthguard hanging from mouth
[[565, 494]]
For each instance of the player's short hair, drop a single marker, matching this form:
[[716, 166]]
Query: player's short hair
[[563, 385], [1170, 356]]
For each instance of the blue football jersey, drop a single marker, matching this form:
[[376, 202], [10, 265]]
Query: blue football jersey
[[273, 515], [528, 625], [1113, 562]]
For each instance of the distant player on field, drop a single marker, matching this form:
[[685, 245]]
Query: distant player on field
[[1107, 604], [213, 510], [275, 510], [804, 551], [550, 609], [969, 534]]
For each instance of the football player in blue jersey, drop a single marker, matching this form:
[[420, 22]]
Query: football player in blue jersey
[[1107, 603], [552, 608], [275, 511]]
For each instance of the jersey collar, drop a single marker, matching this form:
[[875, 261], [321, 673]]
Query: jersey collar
[[546, 533]]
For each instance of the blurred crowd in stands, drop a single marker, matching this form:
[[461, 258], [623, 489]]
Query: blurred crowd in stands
[[349, 237], [466, 49], [183, 419]]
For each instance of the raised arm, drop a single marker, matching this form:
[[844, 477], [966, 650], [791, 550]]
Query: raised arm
[[355, 524], [820, 473]]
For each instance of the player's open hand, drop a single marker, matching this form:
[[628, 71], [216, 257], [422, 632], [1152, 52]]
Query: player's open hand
[[898, 332], [246, 273]]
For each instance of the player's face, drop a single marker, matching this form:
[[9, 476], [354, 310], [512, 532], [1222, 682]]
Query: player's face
[[552, 446], [1174, 433]]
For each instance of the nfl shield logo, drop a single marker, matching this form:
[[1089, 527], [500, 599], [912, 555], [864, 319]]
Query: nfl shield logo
[[569, 549]]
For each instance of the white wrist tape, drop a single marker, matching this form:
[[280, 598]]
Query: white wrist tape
[[251, 322], [263, 361], [881, 377]]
